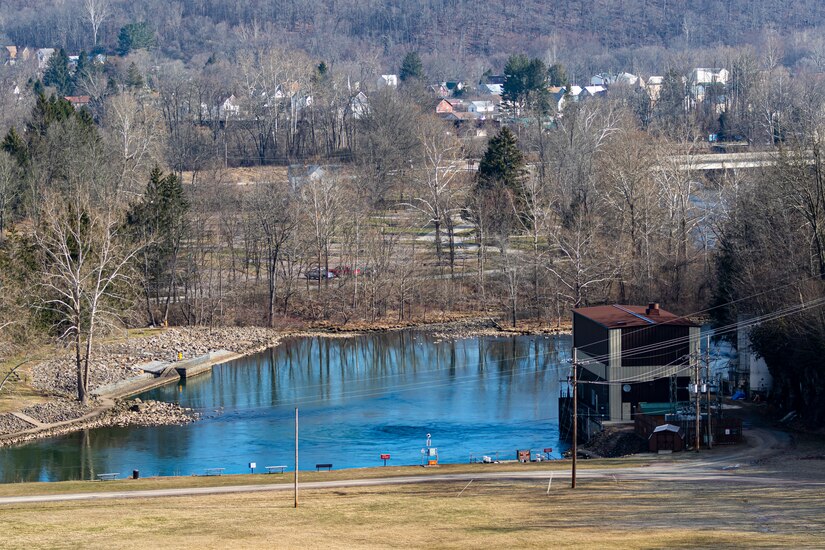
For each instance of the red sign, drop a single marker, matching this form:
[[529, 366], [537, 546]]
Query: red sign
[[385, 457], [548, 450]]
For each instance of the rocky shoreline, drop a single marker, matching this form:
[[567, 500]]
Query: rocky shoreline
[[132, 412], [117, 361]]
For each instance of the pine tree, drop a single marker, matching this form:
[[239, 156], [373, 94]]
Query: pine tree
[[133, 77], [134, 37], [502, 164], [411, 68], [557, 75], [57, 73], [499, 184]]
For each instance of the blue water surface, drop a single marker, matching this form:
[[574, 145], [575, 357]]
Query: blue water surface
[[357, 397]]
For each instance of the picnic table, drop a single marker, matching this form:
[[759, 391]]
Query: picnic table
[[214, 471], [273, 469], [319, 466], [108, 477]]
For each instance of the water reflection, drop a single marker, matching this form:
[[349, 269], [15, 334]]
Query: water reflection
[[359, 397]]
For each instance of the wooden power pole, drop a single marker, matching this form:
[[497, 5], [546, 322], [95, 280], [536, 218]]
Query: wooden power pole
[[575, 419], [698, 410], [707, 395], [296, 457]]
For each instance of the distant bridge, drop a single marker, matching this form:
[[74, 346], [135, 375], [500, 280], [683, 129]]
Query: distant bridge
[[730, 161]]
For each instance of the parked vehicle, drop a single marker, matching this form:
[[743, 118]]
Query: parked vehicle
[[316, 273], [348, 271]]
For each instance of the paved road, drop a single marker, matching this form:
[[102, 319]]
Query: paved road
[[706, 468]]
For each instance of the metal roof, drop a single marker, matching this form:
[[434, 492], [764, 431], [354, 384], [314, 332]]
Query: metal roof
[[666, 428], [616, 316]]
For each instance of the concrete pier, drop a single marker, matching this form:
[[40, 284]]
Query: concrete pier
[[203, 364]]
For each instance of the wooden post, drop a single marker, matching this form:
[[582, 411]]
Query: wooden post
[[575, 419], [296, 457]]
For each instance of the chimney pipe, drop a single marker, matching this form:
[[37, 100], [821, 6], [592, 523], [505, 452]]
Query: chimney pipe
[[652, 308]]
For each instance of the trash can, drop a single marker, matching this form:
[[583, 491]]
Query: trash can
[[135, 474]]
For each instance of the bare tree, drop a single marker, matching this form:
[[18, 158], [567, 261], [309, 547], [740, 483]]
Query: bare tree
[[85, 259], [96, 12]]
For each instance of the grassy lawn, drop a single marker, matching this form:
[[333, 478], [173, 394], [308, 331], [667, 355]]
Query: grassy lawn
[[492, 514], [50, 488]]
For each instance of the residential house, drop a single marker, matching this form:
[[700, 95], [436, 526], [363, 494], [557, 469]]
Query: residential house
[[43, 56], [630, 355], [624, 79], [225, 110], [706, 82], [439, 90], [10, 55], [494, 89], [483, 107], [454, 86], [443, 107], [654, 88], [594, 91], [388, 81], [78, 101], [752, 374], [495, 79], [359, 105]]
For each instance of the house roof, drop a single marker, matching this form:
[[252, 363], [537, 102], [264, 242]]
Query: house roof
[[620, 316], [666, 428], [78, 99]]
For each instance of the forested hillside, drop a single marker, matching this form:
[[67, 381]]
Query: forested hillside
[[631, 32]]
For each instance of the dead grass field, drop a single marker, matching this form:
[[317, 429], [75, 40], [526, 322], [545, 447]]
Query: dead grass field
[[489, 514], [145, 484]]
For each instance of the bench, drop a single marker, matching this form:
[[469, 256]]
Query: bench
[[319, 466], [214, 471], [272, 469], [107, 477]]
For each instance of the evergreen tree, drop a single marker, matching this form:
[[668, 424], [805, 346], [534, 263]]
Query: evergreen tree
[[411, 68], [557, 75], [503, 163], [135, 36], [525, 82], [499, 183], [57, 73], [133, 77], [16, 146], [160, 220]]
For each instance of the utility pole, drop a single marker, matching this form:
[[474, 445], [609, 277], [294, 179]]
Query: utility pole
[[296, 457], [698, 409], [707, 385], [575, 418]]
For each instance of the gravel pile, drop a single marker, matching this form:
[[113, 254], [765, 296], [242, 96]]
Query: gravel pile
[[113, 362], [150, 413], [10, 424], [58, 410], [613, 443]]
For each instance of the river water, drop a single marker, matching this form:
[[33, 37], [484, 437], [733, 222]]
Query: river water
[[358, 398]]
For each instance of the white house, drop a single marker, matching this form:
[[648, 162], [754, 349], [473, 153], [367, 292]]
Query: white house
[[388, 81], [359, 105], [753, 368], [494, 89], [594, 91], [654, 87], [43, 56], [481, 107], [703, 78], [227, 109]]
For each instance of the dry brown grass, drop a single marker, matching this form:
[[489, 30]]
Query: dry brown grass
[[145, 484], [488, 514]]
